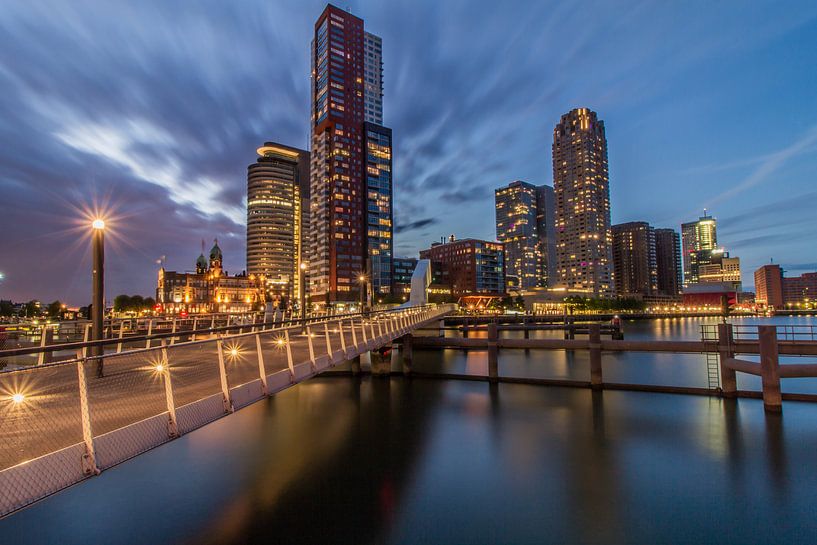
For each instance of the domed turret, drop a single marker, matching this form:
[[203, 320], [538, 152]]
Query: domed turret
[[215, 259], [201, 264]]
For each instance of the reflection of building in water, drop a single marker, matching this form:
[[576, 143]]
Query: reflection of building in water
[[209, 289]]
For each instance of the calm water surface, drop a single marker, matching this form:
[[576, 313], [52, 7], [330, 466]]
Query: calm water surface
[[345, 460]]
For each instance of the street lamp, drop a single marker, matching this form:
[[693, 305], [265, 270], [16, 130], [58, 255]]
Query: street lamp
[[362, 280], [98, 288]]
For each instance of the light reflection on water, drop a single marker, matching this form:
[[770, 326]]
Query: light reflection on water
[[342, 460], [668, 369]]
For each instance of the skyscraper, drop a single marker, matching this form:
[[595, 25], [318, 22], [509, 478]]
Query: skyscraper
[[379, 244], [581, 184], [344, 60], [634, 260], [277, 190], [524, 224], [699, 239], [668, 261]]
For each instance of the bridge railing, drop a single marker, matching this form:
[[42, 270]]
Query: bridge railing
[[62, 422]]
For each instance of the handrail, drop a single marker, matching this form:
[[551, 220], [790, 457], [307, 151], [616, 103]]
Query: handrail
[[189, 332]]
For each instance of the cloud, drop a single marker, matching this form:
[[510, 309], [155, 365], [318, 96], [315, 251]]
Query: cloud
[[402, 228]]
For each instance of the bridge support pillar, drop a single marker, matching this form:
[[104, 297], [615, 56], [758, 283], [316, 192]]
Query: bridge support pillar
[[493, 353], [408, 356], [355, 365], [366, 362], [595, 356], [770, 368], [381, 361], [729, 382]]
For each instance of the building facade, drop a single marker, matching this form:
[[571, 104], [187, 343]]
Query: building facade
[[721, 268], [634, 259], [524, 224], [377, 143], [799, 290], [468, 266], [582, 192], [668, 262], [277, 189], [346, 91], [769, 286], [209, 289], [699, 239]]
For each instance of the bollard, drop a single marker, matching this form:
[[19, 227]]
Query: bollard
[[493, 353], [595, 356], [729, 382], [770, 368]]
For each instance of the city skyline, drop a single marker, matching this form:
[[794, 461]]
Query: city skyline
[[709, 117]]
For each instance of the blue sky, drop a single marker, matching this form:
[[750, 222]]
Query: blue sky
[[155, 108]]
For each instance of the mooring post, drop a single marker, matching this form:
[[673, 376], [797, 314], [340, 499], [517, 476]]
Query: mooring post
[[595, 356], [729, 382], [408, 356], [770, 368], [493, 365]]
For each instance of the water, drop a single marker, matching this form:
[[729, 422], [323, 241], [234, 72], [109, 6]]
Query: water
[[665, 369], [342, 460]]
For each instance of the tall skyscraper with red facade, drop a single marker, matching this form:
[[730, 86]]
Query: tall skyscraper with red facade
[[346, 92]]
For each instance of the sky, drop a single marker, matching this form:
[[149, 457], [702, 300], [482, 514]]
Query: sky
[[150, 112]]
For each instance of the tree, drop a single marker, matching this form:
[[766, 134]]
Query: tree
[[54, 309], [31, 309], [6, 308]]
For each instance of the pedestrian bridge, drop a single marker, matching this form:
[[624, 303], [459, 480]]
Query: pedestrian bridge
[[65, 422]]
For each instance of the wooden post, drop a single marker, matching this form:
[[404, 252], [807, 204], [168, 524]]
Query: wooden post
[[493, 364], [729, 382], [121, 336], [45, 338], [769, 368], [408, 355], [595, 356]]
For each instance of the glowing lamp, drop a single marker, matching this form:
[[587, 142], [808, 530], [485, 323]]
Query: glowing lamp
[[18, 398], [98, 224]]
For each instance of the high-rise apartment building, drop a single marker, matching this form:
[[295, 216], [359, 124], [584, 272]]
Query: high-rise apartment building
[[373, 78], [524, 224], [699, 240], [581, 185], [769, 286], [721, 268], [634, 260], [346, 92], [668, 261], [377, 144], [277, 192]]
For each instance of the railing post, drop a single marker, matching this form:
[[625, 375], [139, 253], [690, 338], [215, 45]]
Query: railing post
[[172, 426], [262, 370], [195, 327], [770, 368], [89, 466], [121, 336], [354, 335], [493, 353], [729, 382], [290, 363], [342, 337], [173, 331], [311, 347], [225, 385], [363, 331], [595, 356], [379, 328], [328, 344]]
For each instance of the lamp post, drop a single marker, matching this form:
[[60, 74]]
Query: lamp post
[[98, 287], [362, 280], [302, 279]]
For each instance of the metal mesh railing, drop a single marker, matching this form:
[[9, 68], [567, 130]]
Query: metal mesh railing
[[71, 419]]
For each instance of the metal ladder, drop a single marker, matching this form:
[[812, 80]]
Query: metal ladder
[[709, 336]]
